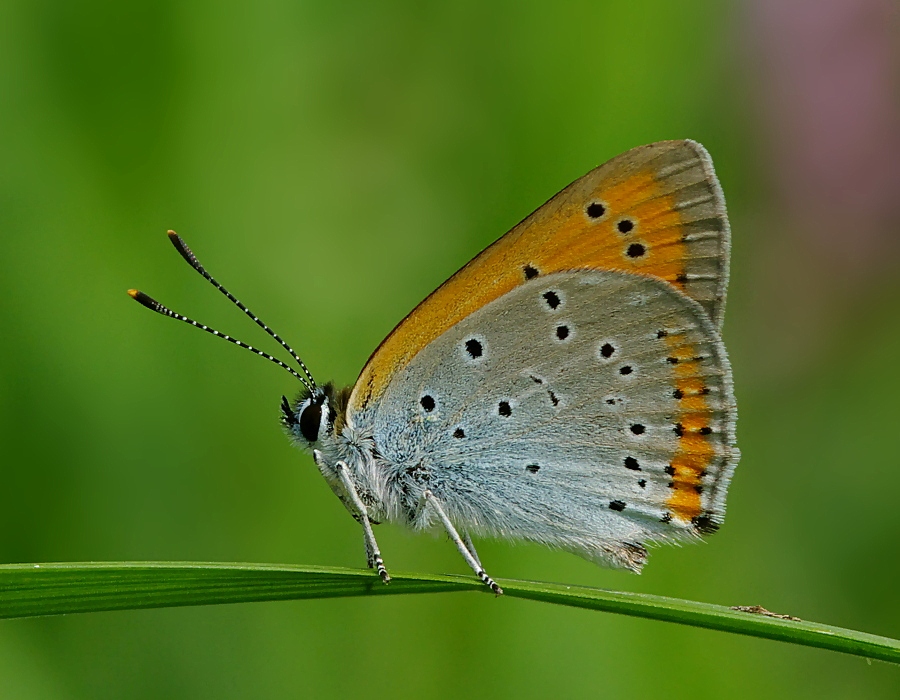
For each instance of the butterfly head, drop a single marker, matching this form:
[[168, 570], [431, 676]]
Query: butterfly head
[[315, 415]]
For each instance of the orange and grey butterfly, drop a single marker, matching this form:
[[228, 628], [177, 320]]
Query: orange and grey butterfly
[[567, 386]]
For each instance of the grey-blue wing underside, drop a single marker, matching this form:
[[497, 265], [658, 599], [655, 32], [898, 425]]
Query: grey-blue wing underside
[[589, 410]]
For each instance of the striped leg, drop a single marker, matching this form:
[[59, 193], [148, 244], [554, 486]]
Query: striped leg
[[372, 553], [471, 560]]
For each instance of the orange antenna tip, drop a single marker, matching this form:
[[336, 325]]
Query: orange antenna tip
[[147, 301]]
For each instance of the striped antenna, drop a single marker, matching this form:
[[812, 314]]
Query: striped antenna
[[154, 305], [191, 259]]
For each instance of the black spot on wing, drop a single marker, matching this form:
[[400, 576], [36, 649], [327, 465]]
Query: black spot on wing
[[595, 210], [552, 299], [635, 250], [704, 524]]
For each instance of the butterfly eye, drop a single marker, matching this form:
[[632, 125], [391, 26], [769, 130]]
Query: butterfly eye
[[310, 421]]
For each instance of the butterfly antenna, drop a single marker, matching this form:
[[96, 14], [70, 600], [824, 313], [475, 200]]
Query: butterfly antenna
[[154, 305], [191, 259]]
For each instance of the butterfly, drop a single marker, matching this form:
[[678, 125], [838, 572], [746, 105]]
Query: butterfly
[[568, 386]]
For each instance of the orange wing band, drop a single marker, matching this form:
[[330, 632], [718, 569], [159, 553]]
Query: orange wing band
[[695, 451]]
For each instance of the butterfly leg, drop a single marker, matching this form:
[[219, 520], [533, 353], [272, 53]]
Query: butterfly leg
[[471, 560], [471, 547], [372, 552], [370, 559]]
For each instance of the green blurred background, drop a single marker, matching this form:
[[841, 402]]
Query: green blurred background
[[332, 163]]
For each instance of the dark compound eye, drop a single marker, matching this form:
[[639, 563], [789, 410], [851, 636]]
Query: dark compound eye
[[427, 403], [310, 420], [474, 348], [595, 210]]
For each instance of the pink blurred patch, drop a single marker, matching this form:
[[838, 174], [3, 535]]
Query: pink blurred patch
[[831, 109]]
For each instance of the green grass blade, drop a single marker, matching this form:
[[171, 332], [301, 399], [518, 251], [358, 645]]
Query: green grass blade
[[28, 590]]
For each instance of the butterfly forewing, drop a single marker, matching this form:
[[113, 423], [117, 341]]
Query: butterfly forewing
[[591, 410], [655, 210]]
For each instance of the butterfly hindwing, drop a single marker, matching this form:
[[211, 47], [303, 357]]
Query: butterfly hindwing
[[591, 410], [655, 210]]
